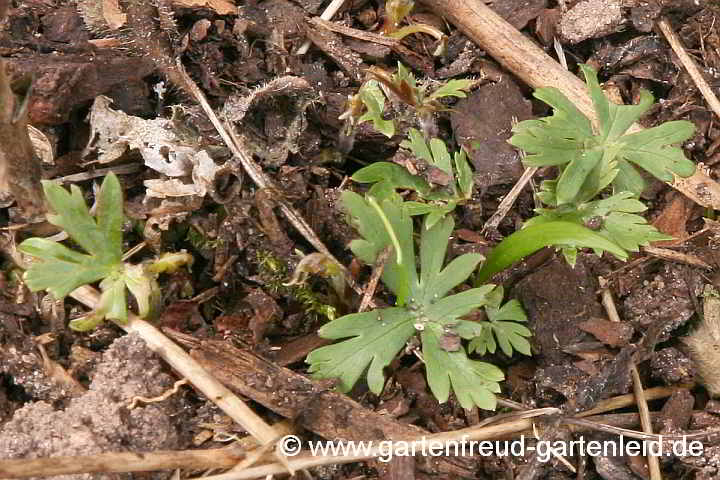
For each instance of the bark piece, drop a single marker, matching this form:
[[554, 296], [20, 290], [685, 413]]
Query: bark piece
[[313, 406], [19, 166]]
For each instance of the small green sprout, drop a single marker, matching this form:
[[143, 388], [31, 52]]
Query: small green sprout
[[368, 105], [424, 307], [60, 270], [396, 11], [592, 159]]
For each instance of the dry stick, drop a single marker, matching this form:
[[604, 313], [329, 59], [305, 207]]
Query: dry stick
[[374, 278], [328, 14], [531, 64], [623, 401], [690, 65], [300, 463], [673, 256], [120, 462], [641, 400], [187, 367], [508, 201], [645, 421]]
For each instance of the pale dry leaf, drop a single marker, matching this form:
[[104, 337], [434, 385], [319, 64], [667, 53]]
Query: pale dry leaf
[[44, 148], [203, 175], [163, 148]]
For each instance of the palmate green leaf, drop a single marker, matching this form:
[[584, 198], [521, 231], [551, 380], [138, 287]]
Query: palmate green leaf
[[60, 269], [615, 219], [373, 339], [591, 160], [503, 326], [650, 149], [377, 337], [473, 382], [435, 153], [99, 239], [554, 140], [374, 100]]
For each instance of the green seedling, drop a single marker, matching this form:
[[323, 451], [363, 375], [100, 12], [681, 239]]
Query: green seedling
[[60, 270], [425, 308], [396, 11], [454, 171], [368, 105], [591, 159]]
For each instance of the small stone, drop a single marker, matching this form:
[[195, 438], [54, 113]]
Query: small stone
[[591, 19]]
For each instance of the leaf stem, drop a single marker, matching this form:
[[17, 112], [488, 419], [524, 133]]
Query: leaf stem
[[388, 228]]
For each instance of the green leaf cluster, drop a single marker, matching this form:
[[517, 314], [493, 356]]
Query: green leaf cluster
[[373, 99], [368, 104], [388, 177], [60, 270], [615, 218], [591, 159], [423, 308]]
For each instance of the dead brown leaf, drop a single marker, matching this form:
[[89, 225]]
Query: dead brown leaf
[[610, 333], [673, 219]]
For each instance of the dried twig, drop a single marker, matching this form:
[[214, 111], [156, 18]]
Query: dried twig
[[640, 399], [121, 462], [531, 64], [354, 32], [653, 462], [508, 201], [328, 14], [690, 65], [673, 256], [374, 278], [622, 401]]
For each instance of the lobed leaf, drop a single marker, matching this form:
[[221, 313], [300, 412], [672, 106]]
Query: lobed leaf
[[474, 383], [377, 337], [60, 269]]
